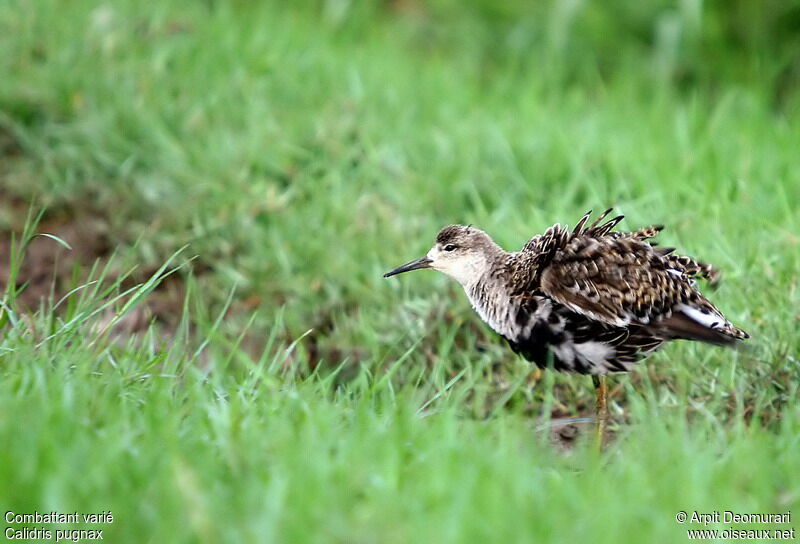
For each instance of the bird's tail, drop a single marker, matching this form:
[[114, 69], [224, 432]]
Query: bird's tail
[[703, 323]]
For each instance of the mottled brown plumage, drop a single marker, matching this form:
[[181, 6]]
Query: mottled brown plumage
[[621, 280]]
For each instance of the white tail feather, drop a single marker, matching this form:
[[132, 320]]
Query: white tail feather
[[711, 320]]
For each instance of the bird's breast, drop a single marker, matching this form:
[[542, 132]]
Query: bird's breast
[[515, 318]]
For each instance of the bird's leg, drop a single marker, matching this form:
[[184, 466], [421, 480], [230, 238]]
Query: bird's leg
[[601, 417]]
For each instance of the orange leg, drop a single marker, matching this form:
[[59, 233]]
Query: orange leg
[[601, 418]]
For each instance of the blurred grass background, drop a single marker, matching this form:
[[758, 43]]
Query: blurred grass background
[[300, 151]]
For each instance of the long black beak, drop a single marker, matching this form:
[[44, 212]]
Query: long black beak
[[424, 262]]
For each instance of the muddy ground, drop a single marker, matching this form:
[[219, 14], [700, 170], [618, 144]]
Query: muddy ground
[[49, 270]]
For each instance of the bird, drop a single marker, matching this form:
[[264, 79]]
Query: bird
[[589, 300]]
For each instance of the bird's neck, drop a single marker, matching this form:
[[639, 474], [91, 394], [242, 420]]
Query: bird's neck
[[489, 291]]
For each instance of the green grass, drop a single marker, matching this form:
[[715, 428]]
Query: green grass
[[302, 152]]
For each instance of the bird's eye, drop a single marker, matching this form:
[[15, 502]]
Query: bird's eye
[[450, 247]]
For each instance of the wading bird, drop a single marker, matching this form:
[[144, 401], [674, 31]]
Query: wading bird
[[591, 300]]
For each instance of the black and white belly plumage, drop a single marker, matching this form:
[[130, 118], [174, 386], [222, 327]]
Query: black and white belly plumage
[[550, 334], [594, 301]]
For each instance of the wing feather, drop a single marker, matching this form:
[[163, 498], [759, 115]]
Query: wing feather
[[618, 281], [623, 281]]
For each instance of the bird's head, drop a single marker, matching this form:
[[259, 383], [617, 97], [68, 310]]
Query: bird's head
[[463, 253]]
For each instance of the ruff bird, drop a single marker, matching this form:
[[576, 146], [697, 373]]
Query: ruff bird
[[590, 300]]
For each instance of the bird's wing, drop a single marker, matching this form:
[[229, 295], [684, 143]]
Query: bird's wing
[[618, 281], [623, 281]]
